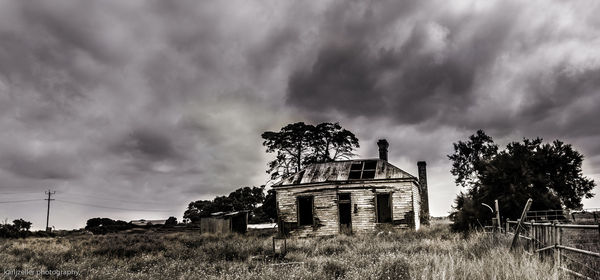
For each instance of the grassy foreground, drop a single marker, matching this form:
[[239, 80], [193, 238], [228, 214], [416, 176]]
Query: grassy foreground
[[432, 253]]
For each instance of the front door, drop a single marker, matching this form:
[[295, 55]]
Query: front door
[[384, 208], [345, 213]]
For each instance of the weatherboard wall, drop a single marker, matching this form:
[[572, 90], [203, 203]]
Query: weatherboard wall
[[363, 204]]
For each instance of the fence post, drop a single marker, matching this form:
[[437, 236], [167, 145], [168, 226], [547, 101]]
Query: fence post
[[507, 226], [543, 237], [498, 215], [517, 231], [557, 251], [534, 237]]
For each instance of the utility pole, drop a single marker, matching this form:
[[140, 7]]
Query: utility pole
[[49, 193]]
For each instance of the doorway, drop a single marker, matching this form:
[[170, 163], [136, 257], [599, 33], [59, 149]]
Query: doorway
[[384, 208], [345, 213]]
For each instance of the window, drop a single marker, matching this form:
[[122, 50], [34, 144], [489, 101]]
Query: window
[[362, 170], [305, 210]]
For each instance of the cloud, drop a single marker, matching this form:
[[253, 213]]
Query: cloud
[[450, 66]]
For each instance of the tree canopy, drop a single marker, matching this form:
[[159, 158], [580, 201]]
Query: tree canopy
[[299, 144], [106, 225], [550, 173]]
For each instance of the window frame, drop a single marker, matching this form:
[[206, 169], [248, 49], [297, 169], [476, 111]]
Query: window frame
[[312, 205], [362, 170]]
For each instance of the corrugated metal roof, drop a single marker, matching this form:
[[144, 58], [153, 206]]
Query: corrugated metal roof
[[340, 171]]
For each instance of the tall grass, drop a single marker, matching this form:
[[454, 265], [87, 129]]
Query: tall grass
[[431, 253]]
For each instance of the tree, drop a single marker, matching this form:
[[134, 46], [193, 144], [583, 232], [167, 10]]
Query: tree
[[331, 142], [549, 173], [470, 158], [171, 221], [22, 225], [267, 212], [106, 225], [19, 228], [299, 144], [292, 145]]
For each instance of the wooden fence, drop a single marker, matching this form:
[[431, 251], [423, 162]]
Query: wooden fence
[[559, 242]]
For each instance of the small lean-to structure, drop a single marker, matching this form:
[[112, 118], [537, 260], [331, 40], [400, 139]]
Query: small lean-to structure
[[351, 196]]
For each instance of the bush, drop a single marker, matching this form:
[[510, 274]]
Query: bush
[[19, 229]]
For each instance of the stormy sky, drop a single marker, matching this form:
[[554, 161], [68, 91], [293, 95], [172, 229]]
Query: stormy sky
[[132, 109]]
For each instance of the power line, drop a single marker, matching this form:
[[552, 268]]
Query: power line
[[116, 208], [19, 192], [117, 200], [17, 201]]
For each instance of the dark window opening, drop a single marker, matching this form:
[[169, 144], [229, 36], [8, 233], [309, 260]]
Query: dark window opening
[[344, 197], [368, 174], [354, 175], [363, 170], [370, 164], [356, 166], [384, 208], [305, 210]]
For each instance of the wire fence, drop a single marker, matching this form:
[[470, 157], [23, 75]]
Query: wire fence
[[574, 248]]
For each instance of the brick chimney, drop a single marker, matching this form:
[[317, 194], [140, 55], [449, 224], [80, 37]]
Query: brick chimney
[[383, 146], [421, 166]]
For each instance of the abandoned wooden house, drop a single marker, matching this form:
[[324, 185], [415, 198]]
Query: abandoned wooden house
[[351, 196]]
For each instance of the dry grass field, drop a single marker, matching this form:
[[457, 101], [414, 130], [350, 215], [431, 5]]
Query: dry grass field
[[432, 253]]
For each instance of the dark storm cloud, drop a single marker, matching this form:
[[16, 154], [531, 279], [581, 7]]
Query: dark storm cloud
[[49, 166], [148, 144], [430, 74], [444, 67]]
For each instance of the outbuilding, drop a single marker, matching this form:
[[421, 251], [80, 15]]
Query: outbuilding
[[225, 222]]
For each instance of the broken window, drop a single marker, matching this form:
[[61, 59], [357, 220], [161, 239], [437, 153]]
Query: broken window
[[355, 171], [305, 210], [384, 208], [363, 170]]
